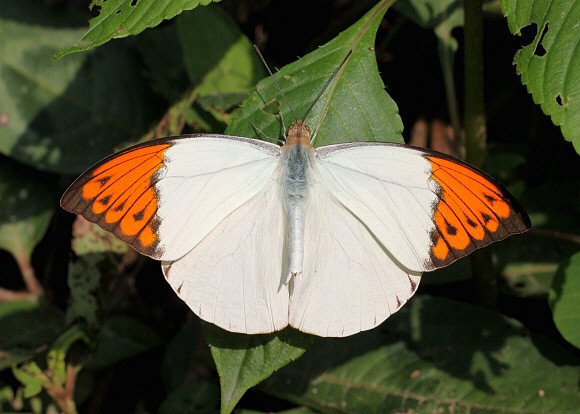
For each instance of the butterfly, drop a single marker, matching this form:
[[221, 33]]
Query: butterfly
[[332, 240]]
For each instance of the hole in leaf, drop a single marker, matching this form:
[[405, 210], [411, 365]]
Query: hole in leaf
[[272, 107], [528, 34], [133, 3], [118, 11], [559, 100], [540, 50]]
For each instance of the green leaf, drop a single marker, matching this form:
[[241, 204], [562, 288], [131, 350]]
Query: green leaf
[[565, 299], [27, 201], [60, 116], [218, 57], [162, 54], [243, 361], [161, 50], [299, 410], [121, 18], [549, 66], [83, 279], [89, 238], [121, 337], [26, 329], [56, 358], [6, 395], [180, 352], [440, 15], [199, 397], [434, 355], [32, 377], [355, 107]]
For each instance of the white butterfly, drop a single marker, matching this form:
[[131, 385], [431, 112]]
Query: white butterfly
[[255, 237]]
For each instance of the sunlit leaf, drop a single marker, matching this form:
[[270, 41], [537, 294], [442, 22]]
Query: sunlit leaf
[[549, 66], [355, 107], [243, 360], [121, 18]]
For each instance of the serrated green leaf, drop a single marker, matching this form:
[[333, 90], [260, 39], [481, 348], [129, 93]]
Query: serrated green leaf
[[355, 107], [26, 328], [121, 18], [60, 116], [434, 355], [564, 299], [27, 201], [549, 66], [243, 361]]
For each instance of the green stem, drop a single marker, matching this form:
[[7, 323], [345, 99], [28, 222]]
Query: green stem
[[474, 111], [484, 274]]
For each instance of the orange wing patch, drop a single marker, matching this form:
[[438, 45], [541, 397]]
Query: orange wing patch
[[472, 212], [118, 194]]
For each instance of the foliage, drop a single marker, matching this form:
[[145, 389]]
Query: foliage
[[89, 326]]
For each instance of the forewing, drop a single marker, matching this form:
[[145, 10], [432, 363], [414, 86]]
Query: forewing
[[350, 282], [472, 211], [235, 278], [164, 196], [427, 209]]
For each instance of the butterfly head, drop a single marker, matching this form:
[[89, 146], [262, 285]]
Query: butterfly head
[[298, 134]]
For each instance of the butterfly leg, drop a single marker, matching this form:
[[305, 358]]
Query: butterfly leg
[[265, 136]]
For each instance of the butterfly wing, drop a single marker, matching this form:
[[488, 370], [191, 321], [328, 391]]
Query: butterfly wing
[[164, 196], [427, 209], [350, 282], [235, 277]]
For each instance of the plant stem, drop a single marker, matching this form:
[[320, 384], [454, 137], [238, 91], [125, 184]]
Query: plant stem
[[474, 111], [446, 57], [475, 136]]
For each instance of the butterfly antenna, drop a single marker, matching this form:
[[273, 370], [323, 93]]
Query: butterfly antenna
[[275, 81], [327, 83]]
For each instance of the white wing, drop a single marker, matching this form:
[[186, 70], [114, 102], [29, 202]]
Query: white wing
[[203, 180], [164, 196], [350, 282], [426, 208], [235, 277], [388, 188]]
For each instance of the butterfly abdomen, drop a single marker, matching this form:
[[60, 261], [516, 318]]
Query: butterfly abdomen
[[296, 180]]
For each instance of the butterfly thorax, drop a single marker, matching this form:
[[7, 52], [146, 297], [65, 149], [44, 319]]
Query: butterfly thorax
[[298, 134], [297, 173]]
